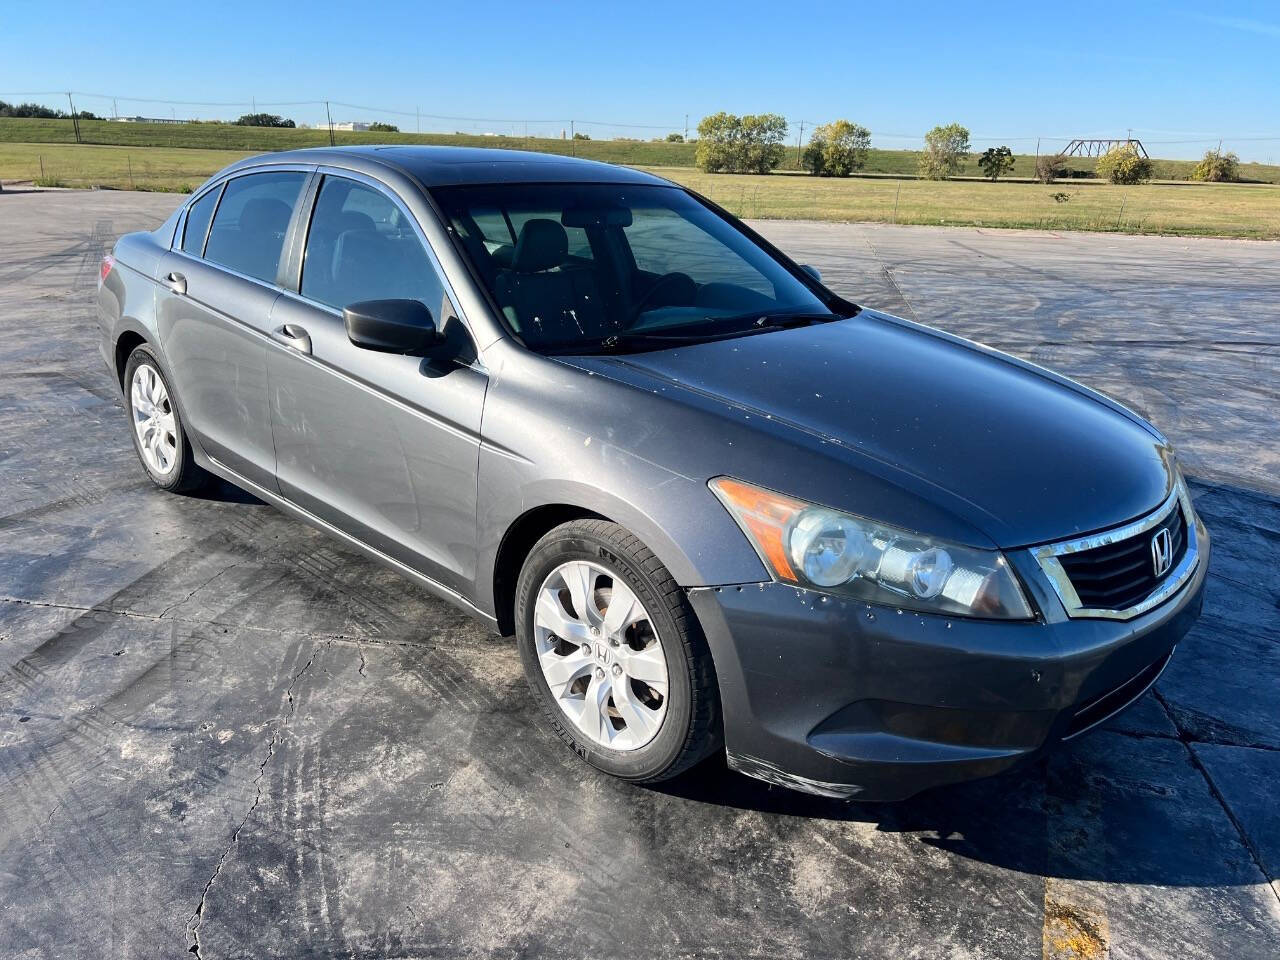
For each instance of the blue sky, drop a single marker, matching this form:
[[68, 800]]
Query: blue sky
[[1178, 73]]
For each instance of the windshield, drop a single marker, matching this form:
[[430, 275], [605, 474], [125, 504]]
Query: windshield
[[579, 268]]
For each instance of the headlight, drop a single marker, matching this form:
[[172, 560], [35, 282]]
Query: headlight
[[823, 549]]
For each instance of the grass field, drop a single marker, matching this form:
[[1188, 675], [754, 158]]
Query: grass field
[[1232, 210], [222, 136], [1227, 210]]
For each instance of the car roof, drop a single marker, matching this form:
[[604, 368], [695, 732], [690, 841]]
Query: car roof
[[434, 166]]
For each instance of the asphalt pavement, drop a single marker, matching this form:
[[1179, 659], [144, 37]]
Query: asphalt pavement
[[222, 732]]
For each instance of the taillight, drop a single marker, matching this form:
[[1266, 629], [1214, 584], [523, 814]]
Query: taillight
[[107, 263]]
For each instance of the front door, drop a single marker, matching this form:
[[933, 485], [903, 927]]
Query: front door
[[382, 446]]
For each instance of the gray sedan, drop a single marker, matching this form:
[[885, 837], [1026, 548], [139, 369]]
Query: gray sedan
[[719, 506]]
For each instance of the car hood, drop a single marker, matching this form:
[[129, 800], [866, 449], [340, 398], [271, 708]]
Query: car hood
[[1014, 451]]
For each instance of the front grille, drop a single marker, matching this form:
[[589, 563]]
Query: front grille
[[1119, 575]]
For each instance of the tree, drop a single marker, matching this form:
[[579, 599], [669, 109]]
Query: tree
[[1049, 167], [749, 144], [582, 136], [945, 151], [263, 120], [995, 162], [1217, 167], [29, 110], [1123, 164], [837, 149], [380, 127], [675, 138]]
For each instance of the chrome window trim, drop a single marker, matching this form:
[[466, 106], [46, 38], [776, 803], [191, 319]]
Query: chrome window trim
[[175, 242], [1047, 558]]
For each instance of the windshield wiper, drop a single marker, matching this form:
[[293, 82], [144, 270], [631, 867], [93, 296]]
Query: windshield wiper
[[777, 321], [658, 339]]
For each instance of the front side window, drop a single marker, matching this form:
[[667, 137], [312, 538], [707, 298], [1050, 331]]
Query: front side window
[[251, 222], [197, 227], [616, 267], [362, 246]]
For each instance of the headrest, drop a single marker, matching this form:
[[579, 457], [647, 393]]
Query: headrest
[[351, 220], [543, 244], [265, 215], [359, 250]]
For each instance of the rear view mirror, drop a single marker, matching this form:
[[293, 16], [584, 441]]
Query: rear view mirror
[[812, 271], [391, 326], [600, 216]]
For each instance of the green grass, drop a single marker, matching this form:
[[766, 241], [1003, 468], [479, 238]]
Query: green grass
[[223, 136], [1231, 210], [1210, 209]]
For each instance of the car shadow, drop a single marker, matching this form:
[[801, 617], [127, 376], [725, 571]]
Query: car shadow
[[1062, 815], [220, 491]]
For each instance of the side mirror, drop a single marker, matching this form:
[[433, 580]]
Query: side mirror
[[391, 326], [811, 271]]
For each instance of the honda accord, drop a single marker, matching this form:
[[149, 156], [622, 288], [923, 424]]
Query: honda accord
[[719, 506]]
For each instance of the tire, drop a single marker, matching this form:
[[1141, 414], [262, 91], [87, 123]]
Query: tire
[[168, 461], [639, 748]]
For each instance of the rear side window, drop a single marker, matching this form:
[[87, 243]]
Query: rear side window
[[198, 223], [252, 219], [361, 246]]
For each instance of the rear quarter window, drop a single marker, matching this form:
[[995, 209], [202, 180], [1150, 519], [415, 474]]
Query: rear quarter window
[[249, 227], [198, 216]]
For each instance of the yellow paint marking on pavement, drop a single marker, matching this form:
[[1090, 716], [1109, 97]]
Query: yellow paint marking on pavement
[[1075, 909]]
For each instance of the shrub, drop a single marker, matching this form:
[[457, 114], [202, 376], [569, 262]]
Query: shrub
[[995, 162], [1049, 167], [1123, 164], [263, 120], [380, 127], [749, 144], [945, 151], [675, 138], [582, 136], [837, 149], [1217, 167]]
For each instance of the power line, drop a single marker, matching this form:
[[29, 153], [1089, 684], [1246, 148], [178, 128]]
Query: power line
[[623, 125]]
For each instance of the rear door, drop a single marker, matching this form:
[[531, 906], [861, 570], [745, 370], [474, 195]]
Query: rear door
[[382, 446], [217, 288]]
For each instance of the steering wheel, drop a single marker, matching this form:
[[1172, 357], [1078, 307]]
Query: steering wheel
[[678, 287]]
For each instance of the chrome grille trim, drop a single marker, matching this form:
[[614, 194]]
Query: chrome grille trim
[[1047, 557]]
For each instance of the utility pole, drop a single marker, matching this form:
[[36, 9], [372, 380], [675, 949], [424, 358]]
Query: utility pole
[[115, 108], [417, 116], [799, 140], [686, 128], [573, 140], [75, 121], [329, 117]]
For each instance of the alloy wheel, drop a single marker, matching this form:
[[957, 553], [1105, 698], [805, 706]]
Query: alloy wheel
[[153, 420], [600, 655]]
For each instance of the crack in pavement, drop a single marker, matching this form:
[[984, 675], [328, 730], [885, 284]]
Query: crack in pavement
[[197, 918], [227, 624], [206, 583], [1245, 839]]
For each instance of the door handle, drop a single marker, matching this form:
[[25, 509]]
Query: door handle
[[293, 336], [177, 283]]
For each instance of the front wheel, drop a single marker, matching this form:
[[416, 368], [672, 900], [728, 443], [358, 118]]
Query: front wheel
[[614, 654]]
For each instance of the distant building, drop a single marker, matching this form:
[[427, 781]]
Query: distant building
[[353, 127], [146, 120]]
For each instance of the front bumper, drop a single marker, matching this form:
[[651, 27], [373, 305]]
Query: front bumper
[[848, 699]]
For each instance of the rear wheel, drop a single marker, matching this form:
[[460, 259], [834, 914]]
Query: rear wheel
[[158, 434], [614, 654]]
